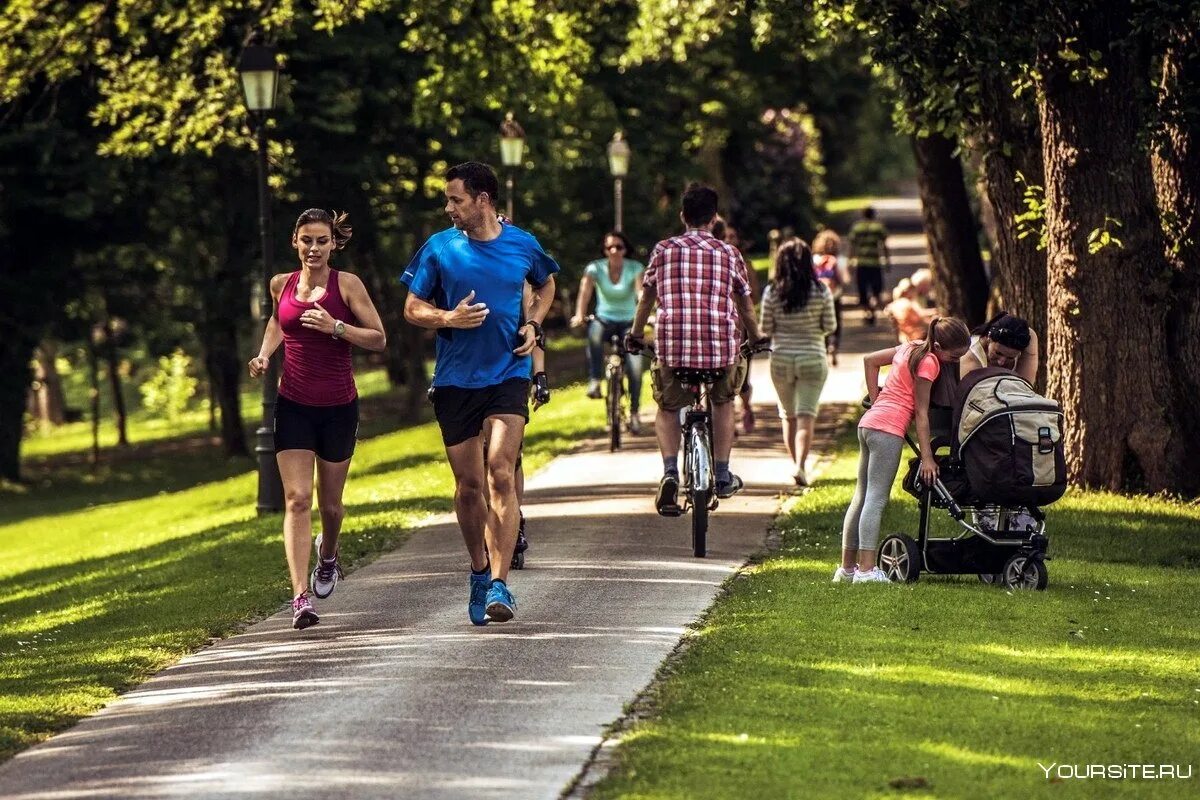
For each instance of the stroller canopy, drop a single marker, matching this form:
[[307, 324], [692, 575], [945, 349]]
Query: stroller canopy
[[1009, 437]]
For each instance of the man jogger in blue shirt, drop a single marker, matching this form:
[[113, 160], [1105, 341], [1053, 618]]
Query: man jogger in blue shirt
[[467, 283]]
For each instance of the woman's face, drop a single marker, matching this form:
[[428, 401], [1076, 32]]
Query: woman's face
[[614, 247], [1001, 356], [314, 244]]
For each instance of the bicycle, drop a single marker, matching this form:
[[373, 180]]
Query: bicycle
[[614, 381], [698, 479]]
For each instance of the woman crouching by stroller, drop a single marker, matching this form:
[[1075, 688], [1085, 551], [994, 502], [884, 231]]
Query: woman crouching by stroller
[[914, 368], [1004, 341]]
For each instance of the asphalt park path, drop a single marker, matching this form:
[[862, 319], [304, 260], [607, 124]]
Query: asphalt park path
[[396, 694]]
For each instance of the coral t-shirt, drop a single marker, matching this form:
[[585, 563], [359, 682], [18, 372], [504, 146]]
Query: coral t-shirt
[[896, 404]]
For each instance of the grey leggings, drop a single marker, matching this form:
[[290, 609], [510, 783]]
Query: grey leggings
[[878, 460]]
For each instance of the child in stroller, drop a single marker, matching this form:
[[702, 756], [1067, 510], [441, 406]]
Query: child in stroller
[[1004, 463]]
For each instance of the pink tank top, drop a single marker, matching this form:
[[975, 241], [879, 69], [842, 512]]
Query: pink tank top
[[317, 368]]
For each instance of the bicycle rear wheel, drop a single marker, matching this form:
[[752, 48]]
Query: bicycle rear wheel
[[614, 410], [700, 501]]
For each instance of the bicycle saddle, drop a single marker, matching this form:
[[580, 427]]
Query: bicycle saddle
[[695, 377]]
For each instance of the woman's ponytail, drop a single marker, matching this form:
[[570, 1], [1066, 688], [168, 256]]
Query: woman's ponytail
[[947, 333]]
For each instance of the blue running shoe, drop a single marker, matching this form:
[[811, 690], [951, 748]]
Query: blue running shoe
[[500, 603], [477, 605]]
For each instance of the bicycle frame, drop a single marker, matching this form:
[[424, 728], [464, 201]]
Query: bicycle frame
[[697, 444]]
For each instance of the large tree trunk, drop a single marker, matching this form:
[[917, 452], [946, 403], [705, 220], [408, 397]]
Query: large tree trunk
[[1107, 351], [15, 352], [952, 230], [1177, 181], [1012, 151]]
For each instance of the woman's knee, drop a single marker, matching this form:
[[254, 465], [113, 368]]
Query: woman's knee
[[299, 501]]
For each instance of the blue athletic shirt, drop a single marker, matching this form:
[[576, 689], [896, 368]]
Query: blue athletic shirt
[[447, 268]]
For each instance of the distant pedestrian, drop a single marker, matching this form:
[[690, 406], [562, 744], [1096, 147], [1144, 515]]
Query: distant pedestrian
[[320, 314], [903, 399], [729, 234], [869, 256], [797, 313], [910, 317], [467, 283], [830, 269]]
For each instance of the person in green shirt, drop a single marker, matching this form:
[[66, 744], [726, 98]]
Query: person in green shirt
[[616, 282], [869, 256]]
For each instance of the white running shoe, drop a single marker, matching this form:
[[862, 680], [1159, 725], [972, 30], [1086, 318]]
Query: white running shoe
[[325, 574], [875, 575], [843, 575]]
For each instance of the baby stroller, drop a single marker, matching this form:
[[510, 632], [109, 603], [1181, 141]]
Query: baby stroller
[[1005, 463]]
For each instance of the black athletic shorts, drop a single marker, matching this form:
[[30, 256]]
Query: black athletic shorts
[[460, 412], [328, 431], [870, 283]]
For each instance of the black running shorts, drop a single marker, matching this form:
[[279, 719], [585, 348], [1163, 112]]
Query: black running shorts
[[870, 283], [328, 431], [460, 412]]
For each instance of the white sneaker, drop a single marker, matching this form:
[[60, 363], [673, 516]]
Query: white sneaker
[[842, 575], [800, 477], [324, 577], [635, 425], [875, 575]]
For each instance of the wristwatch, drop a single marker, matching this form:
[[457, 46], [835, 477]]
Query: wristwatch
[[339, 328]]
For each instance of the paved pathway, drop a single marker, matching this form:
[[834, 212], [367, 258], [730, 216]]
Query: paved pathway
[[396, 694]]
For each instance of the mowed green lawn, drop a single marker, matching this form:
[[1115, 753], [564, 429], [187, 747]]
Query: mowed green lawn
[[797, 688], [106, 580]]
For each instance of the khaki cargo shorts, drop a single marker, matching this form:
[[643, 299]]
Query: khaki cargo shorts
[[671, 395]]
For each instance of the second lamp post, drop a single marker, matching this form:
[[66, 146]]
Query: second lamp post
[[618, 165], [512, 151]]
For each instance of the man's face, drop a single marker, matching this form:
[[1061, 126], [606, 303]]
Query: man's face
[[465, 212]]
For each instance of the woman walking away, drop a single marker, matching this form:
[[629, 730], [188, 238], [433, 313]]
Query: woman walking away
[[915, 366], [798, 313], [1003, 341], [320, 314], [830, 271], [617, 282]]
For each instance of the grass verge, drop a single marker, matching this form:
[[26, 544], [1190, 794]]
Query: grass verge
[[794, 687], [99, 595]]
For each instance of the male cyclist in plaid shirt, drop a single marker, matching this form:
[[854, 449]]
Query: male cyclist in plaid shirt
[[703, 293]]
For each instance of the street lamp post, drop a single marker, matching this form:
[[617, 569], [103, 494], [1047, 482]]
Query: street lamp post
[[512, 150], [260, 81], [618, 165]]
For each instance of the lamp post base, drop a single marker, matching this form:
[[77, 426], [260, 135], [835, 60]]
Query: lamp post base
[[270, 486]]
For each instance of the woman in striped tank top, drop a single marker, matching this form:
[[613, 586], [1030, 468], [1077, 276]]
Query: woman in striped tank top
[[320, 315], [797, 313]]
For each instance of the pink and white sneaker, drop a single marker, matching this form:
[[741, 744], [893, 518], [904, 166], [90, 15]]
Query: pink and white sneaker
[[303, 613]]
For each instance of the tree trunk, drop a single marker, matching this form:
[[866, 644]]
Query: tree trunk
[[1177, 182], [114, 380], [1107, 351], [959, 280], [94, 394], [1012, 150], [15, 353], [49, 403], [224, 368]]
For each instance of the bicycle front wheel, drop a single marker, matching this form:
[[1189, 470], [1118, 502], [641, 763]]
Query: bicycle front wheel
[[614, 410], [700, 501]]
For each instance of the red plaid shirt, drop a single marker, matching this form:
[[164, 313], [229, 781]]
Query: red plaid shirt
[[697, 278]]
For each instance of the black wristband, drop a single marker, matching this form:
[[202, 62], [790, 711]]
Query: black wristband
[[539, 336]]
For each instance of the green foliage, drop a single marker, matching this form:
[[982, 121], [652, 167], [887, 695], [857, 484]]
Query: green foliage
[[171, 388], [1103, 237], [1032, 221]]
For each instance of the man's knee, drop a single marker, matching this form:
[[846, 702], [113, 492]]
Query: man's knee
[[469, 488], [299, 501], [502, 476]]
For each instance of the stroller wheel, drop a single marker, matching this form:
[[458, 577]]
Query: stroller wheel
[[1023, 572], [899, 558], [990, 578]]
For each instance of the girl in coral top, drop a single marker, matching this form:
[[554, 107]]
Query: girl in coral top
[[905, 396]]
